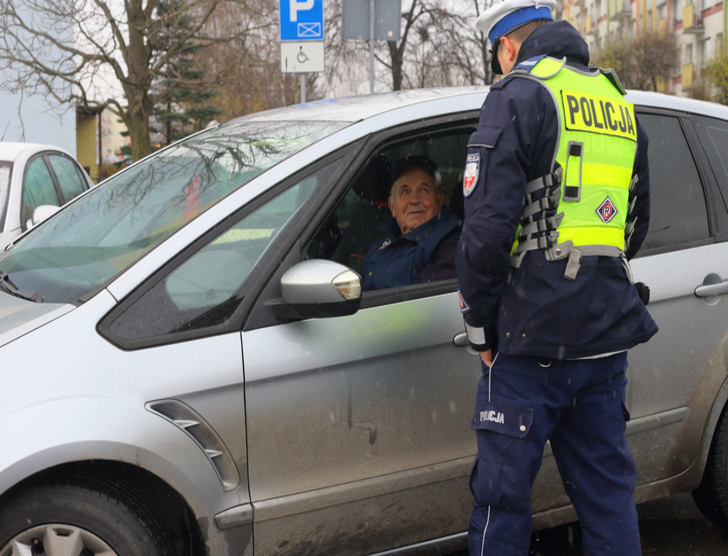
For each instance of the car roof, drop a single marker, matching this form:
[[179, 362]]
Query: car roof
[[10, 151], [357, 108], [689, 105]]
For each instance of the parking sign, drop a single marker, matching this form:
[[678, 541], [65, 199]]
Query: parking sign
[[302, 20]]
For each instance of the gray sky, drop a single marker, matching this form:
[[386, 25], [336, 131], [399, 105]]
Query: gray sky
[[39, 126]]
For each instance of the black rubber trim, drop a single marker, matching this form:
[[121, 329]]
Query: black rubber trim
[[700, 160], [7, 199], [406, 293], [717, 203]]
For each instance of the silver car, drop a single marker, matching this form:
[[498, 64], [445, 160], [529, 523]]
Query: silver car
[[35, 180], [190, 367]]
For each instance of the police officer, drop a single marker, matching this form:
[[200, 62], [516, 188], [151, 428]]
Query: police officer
[[556, 190]]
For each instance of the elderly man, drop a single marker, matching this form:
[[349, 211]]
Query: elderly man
[[420, 242]]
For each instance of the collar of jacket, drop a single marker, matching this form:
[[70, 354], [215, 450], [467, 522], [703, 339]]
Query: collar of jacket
[[421, 232], [557, 39]]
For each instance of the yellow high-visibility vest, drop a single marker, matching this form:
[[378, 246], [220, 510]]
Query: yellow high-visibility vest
[[595, 156]]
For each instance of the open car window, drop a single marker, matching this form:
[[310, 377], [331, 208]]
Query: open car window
[[359, 223]]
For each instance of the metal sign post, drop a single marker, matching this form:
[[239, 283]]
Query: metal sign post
[[371, 46], [302, 34], [372, 20]]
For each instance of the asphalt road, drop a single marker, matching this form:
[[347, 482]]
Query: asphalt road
[[669, 527]]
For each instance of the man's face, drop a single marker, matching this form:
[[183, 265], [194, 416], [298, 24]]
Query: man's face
[[415, 199]]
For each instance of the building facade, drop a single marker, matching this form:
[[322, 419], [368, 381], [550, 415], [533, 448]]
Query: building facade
[[699, 26], [99, 141]]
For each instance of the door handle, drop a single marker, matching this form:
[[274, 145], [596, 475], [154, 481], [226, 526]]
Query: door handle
[[461, 340], [712, 286]]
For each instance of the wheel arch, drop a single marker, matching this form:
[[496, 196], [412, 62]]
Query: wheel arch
[[720, 405], [174, 512], [120, 438], [689, 479]]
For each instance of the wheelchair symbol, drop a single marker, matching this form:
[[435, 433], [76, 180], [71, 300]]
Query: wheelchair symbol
[[302, 58]]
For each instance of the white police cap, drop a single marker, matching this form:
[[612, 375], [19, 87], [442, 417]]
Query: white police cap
[[505, 16]]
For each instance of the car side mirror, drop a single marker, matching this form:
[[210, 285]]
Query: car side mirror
[[317, 289], [41, 213]]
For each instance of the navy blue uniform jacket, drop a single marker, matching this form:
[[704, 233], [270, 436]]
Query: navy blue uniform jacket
[[535, 310], [423, 255]]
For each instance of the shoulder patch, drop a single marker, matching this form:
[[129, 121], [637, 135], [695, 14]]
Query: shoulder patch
[[385, 243], [472, 169], [464, 307]]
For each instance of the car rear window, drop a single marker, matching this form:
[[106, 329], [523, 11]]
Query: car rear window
[[118, 222]]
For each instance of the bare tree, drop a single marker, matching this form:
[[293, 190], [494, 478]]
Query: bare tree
[[643, 62], [656, 56], [465, 45], [65, 49], [619, 56]]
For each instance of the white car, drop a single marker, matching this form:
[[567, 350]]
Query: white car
[[35, 180]]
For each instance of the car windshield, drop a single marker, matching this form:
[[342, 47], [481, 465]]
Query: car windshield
[[117, 223], [4, 189]]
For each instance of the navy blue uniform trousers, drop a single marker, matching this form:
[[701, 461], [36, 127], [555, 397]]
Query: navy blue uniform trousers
[[577, 405]]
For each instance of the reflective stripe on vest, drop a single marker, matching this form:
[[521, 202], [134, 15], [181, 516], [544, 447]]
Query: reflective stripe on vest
[[596, 149]]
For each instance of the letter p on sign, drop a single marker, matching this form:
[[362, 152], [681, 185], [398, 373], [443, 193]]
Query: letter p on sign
[[296, 6]]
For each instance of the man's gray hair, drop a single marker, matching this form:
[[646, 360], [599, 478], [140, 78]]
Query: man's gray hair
[[423, 163]]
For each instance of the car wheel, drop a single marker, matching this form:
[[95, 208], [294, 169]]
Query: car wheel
[[80, 516], [711, 496]]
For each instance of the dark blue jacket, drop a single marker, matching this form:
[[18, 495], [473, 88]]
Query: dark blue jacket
[[535, 310], [422, 255]]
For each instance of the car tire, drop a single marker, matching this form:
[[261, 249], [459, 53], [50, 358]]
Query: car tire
[[99, 514], [711, 496]]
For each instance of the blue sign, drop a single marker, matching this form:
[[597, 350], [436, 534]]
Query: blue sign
[[302, 20]]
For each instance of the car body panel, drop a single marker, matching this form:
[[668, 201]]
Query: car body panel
[[670, 374], [368, 403], [19, 316], [99, 412]]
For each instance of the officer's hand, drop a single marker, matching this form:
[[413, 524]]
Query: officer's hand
[[487, 357]]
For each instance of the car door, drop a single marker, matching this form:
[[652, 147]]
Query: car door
[[359, 426], [674, 379], [188, 315]]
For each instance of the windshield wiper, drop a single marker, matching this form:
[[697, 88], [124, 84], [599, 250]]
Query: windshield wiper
[[12, 289]]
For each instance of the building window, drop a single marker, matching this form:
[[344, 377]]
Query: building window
[[705, 52], [688, 53]]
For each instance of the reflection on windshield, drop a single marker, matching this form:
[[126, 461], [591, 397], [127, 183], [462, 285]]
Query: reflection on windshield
[[114, 225]]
